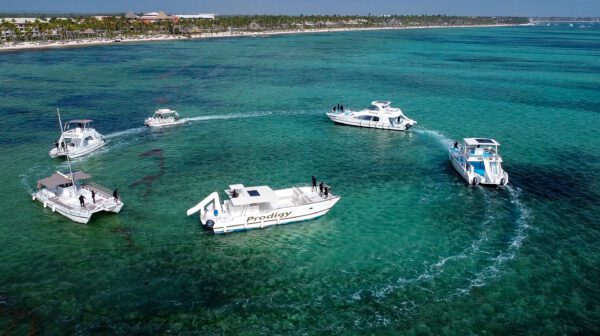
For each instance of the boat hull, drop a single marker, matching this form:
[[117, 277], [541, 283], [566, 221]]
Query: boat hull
[[73, 154], [278, 216], [349, 121], [157, 124]]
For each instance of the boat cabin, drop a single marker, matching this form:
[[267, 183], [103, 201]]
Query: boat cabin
[[77, 125], [480, 147]]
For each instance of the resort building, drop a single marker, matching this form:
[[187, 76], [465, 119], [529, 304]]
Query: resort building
[[205, 16]]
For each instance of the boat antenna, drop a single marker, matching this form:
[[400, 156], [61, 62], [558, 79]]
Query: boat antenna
[[66, 147]]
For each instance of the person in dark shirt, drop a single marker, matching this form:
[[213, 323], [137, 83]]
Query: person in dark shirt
[[116, 195], [94, 196], [326, 192], [82, 201], [455, 145], [321, 188], [314, 183], [341, 107]]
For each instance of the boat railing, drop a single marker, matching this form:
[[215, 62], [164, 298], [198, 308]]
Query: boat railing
[[70, 208], [98, 188]]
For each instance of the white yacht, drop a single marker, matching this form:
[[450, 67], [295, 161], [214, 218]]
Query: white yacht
[[379, 115], [477, 161], [63, 194], [259, 207], [163, 117], [78, 138]]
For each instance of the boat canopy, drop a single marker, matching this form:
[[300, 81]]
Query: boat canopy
[[79, 121], [59, 178], [481, 142], [164, 111], [252, 195]]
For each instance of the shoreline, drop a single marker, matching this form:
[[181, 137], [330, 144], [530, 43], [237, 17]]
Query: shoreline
[[105, 41]]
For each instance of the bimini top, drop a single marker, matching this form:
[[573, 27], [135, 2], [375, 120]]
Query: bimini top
[[481, 142], [252, 195], [79, 121], [381, 103], [164, 111], [59, 178]]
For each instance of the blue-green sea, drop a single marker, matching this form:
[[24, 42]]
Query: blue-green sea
[[410, 248]]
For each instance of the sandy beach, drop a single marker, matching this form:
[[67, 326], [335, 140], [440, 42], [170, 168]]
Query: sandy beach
[[102, 41]]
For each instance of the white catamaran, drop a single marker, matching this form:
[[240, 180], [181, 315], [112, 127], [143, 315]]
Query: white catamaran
[[77, 139], [65, 194], [478, 162], [379, 115], [259, 207]]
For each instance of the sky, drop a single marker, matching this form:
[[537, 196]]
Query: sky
[[296, 7]]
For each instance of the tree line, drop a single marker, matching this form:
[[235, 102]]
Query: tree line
[[78, 27]]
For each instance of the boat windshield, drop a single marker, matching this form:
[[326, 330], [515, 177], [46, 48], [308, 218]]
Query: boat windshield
[[374, 108]]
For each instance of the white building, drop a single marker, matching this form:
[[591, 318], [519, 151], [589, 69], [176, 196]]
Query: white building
[[206, 16]]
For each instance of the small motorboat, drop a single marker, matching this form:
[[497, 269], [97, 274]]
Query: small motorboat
[[379, 115], [259, 207], [477, 161], [78, 138], [163, 117], [65, 194]]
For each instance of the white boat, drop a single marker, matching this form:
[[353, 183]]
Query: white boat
[[477, 161], [379, 115], [61, 193], [259, 207], [77, 139], [163, 117]]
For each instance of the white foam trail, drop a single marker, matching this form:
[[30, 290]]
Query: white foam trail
[[125, 132], [225, 116], [136, 130], [439, 136], [522, 226]]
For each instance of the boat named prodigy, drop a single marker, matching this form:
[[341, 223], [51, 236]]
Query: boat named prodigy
[[259, 207]]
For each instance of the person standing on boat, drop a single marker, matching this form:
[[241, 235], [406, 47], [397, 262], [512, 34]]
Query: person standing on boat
[[455, 145], [116, 195], [341, 108], [82, 201], [94, 196], [314, 182], [326, 192], [334, 109], [321, 188]]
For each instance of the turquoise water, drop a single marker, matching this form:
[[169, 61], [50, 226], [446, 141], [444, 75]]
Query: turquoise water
[[409, 249]]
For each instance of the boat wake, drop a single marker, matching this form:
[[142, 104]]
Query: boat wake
[[226, 116], [522, 225], [137, 130], [125, 132], [439, 136]]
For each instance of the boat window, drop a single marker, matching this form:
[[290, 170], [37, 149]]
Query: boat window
[[375, 118], [373, 108], [253, 193], [364, 117]]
